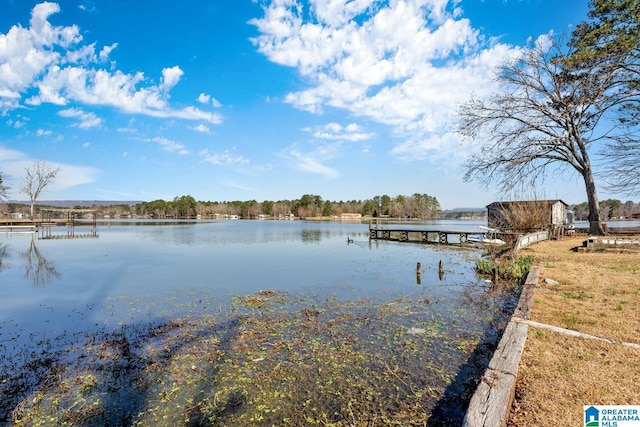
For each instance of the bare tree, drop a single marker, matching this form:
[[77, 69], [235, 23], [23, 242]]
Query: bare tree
[[37, 268], [547, 118], [3, 189], [610, 40], [37, 177]]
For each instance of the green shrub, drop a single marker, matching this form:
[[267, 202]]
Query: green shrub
[[508, 268]]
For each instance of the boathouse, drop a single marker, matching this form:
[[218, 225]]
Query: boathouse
[[528, 215]]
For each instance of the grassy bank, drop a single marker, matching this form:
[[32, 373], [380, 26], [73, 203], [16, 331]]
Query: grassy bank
[[595, 293]]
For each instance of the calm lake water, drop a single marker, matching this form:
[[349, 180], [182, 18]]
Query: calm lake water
[[134, 273]]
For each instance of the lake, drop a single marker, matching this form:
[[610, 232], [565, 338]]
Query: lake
[[275, 282]]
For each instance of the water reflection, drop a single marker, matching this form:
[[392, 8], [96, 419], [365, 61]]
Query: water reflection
[[38, 270], [3, 254], [311, 236], [46, 233], [132, 277]]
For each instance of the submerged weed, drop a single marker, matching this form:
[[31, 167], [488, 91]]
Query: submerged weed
[[271, 358]]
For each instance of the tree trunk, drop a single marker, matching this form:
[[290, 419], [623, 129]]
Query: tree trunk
[[595, 227]]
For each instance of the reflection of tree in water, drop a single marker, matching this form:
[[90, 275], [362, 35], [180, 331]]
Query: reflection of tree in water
[[38, 269], [311, 236], [3, 254]]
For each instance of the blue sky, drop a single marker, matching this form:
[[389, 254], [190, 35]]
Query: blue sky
[[265, 100]]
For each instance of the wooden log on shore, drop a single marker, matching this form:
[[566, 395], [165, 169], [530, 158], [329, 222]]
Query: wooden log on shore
[[491, 402], [523, 309]]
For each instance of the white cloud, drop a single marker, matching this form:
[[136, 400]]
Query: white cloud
[[311, 163], [131, 127], [127, 130], [336, 132], [16, 124], [106, 51], [86, 120], [9, 155], [53, 61], [13, 164], [83, 55], [224, 158], [169, 145], [42, 132], [407, 64], [208, 99], [201, 128], [72, 176], [171, 77]]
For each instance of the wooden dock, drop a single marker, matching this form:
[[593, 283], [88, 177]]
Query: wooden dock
[[8, 228], [49, 227], [423, 236]]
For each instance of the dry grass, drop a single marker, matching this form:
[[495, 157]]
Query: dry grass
[[597, 293], [524, 216]]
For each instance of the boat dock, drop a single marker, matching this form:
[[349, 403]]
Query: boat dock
[[442, 237], [484, 235], [54, 219], [10, 228]]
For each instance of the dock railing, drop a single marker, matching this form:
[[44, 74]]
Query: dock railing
[[525, 240]]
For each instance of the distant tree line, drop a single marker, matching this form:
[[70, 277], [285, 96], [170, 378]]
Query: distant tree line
[[609, 209], [418, 206]]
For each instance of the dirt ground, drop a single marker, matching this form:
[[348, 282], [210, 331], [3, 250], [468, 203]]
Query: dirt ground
[[595, 293]]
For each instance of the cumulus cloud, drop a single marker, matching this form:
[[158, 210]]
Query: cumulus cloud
[[208, 99], [106, 51], [171, 77], [407, 64], [53, 62]]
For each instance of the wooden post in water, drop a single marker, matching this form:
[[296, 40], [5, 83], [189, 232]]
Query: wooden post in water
[[440, 270], [419, 273]]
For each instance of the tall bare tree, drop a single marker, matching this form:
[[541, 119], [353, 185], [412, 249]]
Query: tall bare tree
[[610, 40], [37, 177], [548, 116], [3, 189]]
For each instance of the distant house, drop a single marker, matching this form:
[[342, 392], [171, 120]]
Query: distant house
[[635, 215], [346, 216], [527, 215]]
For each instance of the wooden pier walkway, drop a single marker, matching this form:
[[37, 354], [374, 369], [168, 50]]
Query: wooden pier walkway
[[423, 236], [44, 227]]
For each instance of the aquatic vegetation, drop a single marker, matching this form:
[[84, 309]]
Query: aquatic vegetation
[[513, 268], [271, 359]]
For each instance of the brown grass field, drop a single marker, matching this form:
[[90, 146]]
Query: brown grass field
[[597, 293]]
